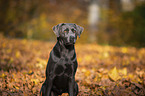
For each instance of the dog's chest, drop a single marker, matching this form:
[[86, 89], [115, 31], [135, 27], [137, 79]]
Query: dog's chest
[[64, 67]]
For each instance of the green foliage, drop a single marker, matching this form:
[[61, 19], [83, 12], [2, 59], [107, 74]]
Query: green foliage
[[133, 26], [128, 28]]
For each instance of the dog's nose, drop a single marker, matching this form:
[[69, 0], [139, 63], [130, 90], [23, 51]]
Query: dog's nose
[[72, 38]]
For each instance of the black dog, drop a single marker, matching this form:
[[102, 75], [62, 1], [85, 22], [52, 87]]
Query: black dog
[[62, 63]]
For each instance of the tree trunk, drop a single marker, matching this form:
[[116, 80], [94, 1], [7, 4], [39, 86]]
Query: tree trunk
[[93, 19]]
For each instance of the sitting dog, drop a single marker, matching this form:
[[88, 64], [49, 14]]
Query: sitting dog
[[62, 63]]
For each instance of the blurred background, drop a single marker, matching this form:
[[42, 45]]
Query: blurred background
[[106, 22]]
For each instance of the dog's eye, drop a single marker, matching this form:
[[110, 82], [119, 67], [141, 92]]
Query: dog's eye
[[66, 30], [74, 31]]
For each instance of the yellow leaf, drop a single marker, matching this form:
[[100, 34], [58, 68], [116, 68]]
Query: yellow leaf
[[83, 70], [88, 58], [3, 75], [105, 76], [24, 41], [9, 50], [34, 90], [87, 73], [123, 71], [103, 87], [124, 50], [41, 61], [18, 54], [93, 69], [88, 81], [113, 74], [130, 76], [125, 62], [16, 87], [3, 45], [96, 78], [11, 60], [106, 54], [35, 81], [30, 71], [132, 58], [79, 59], [39, 65], [139, 80]]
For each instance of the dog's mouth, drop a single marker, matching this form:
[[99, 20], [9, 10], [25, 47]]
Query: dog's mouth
[[69, 43]]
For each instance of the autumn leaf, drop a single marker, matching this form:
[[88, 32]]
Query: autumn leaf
[[106, 54], [123, 71], [79, 59], [124, 50], [35, 81], [87, 73], [3, 75], [130, 76], [18, 54], [4, 45], [88, 57], [25, 76], [16, 87], [114, 75], [132, 58], [83, 69]]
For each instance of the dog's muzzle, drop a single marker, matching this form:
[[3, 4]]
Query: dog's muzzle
[[72, 39]]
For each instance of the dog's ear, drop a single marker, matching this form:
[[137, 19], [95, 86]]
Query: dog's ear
[[79, 30], [56, 29]]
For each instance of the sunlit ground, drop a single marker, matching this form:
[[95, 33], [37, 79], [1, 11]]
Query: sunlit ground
[[102, 70]]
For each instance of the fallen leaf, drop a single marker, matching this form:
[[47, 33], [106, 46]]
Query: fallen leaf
[[114, 75], [18, 54], [123, 71]]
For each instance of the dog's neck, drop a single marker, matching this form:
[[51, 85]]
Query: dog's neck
[[63, 51]]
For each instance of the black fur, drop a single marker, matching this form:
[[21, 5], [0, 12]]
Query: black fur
[[62, 63]]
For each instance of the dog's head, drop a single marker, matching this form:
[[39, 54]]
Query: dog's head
[[67, 32]]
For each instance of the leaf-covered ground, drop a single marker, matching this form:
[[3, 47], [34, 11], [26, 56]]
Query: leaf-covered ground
[[102, 70]]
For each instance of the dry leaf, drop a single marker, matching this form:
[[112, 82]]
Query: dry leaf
[[123, 71], [113, 74]]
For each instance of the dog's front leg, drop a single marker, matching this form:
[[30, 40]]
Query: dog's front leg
[[49, 82], [71, 86]]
